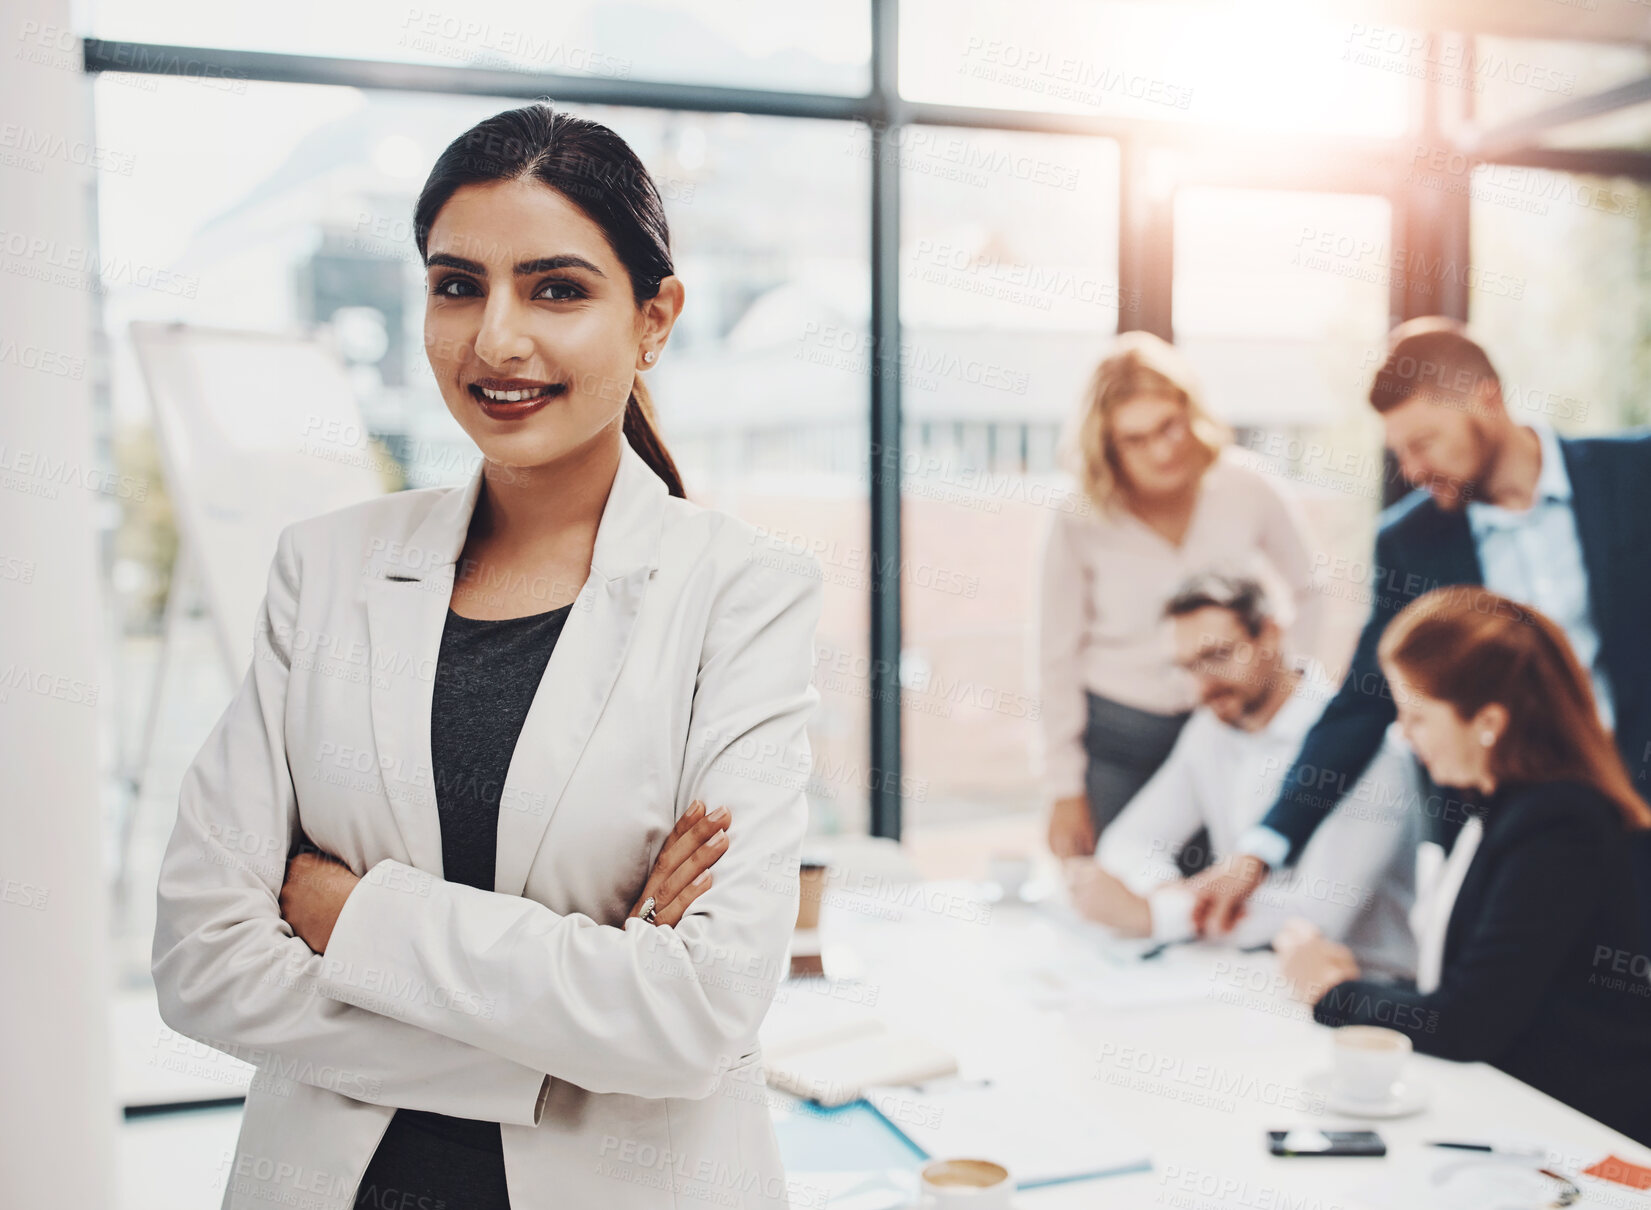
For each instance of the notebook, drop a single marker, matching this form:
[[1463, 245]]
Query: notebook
[[837, 1071], [1043, 1135], [828, 1051]]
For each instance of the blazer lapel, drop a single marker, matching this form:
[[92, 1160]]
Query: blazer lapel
[[569, 700], [1594, 530], [1457, 555], [583, 667], [408, 591]]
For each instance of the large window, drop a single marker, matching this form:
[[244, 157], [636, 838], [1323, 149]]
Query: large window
[[1556, 291], [742, 43], [1281, 303], [1135, 59], [1009, 289]]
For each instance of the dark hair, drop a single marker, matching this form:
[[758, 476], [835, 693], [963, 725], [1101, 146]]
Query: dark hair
[[596, 170], [1469, 646], [1434, 352], [1241, 596]]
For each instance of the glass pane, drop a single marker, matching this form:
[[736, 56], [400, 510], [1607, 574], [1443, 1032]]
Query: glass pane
[[741, 43], [299, 220], [1509, 78], [1559, 297], [1009, 284], [1626, 129], [1281, 303], [1122, 59]]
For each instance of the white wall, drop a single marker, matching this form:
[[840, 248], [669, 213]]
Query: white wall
[[57, 1114]]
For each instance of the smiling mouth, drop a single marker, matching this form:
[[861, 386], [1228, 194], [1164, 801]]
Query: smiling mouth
[[509, 405], [516, 394]]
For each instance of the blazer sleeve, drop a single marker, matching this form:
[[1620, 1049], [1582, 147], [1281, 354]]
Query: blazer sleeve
[[1523, 931], [638, 1009], [228, 970], [1063, 604], [1340, 746], [1365, 853]]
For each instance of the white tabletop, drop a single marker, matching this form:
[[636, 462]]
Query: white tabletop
[[1199, 1051]]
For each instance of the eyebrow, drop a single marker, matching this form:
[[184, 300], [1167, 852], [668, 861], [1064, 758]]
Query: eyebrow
[[526, 268]]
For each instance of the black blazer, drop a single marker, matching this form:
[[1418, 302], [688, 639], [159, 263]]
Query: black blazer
[[1545, 966], [1420, 546]]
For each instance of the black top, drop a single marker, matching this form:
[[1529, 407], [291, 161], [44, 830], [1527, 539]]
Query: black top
[[487, 673], [1545, 968]]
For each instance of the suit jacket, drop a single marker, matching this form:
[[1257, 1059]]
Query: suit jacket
[[1419, 547], [1544, 971], [620, 1058]]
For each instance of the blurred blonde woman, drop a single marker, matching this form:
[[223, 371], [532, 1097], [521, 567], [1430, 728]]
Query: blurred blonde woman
[[1168, 497]]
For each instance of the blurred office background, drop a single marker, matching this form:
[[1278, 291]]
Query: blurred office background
[[907, 230]]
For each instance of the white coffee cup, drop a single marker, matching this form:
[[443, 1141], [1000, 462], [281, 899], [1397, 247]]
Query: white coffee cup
[[966, 1184], [1366, 1061]]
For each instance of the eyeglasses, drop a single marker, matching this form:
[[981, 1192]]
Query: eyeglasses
[[1174, 430], [1219, 659], [1485, 1172]]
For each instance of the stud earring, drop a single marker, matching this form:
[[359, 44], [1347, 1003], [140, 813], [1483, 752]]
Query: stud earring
[[1487, 738], [649, 355]]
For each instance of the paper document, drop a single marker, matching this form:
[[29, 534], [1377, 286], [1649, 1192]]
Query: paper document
[[1042, 1135]]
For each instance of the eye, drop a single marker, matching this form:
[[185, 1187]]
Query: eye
[[441, 290], [573, 291]]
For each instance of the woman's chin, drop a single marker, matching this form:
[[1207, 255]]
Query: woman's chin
[[524, 447]]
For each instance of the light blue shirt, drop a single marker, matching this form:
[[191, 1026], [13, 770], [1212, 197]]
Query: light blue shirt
[[1532, 556]]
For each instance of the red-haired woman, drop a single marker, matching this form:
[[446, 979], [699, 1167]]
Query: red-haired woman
[[1530, 952]]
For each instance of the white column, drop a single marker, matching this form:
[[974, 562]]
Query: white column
[[57, 1113]]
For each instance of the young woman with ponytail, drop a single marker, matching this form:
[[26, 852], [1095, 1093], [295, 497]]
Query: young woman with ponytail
[[444, 868]]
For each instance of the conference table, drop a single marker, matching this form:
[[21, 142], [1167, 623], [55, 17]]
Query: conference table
[[1198, 1051]]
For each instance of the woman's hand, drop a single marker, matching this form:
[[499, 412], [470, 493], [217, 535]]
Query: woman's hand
[[1311, 961], [683, 872], [1071, 831], [316, 886], [1101, 897]]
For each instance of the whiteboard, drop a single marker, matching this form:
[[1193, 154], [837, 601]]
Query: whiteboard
[[256, 430]]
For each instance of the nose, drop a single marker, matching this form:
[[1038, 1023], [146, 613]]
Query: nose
[[1166, 454], [503, 335]]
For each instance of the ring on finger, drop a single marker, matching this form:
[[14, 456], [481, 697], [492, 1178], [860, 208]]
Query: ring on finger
[[647, 912]]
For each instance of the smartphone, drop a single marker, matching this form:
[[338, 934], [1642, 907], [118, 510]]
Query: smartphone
[[1325, 1142]]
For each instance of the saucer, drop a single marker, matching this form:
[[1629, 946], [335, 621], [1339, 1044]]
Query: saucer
[[1405, 1098]]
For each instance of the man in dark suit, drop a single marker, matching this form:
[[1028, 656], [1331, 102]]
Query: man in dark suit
[[1563, 525]]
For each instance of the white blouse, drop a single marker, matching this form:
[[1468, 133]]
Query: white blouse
[[1438, 882], [1104, 581]]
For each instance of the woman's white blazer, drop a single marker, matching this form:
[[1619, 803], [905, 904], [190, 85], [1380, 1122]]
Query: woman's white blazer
[[620, 1058]]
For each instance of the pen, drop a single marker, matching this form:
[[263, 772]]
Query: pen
[[1148, 954], [1491, 1148]]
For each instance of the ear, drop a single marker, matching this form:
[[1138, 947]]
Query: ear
[[1487, 396], [1491, 718], [659, 313]]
